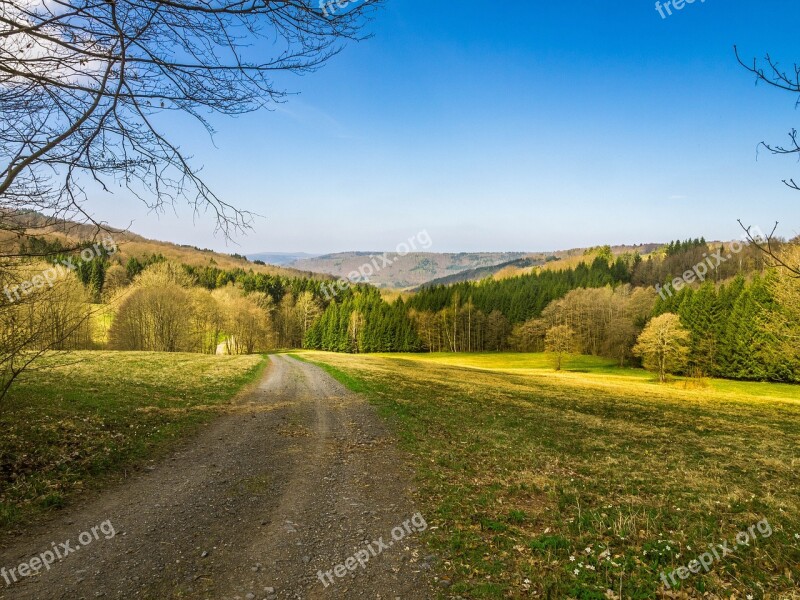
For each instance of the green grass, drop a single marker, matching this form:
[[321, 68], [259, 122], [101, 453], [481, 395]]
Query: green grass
[[588, 484], [70, 427]]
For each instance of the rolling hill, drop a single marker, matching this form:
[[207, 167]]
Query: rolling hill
[[407, 271], [133, 245]]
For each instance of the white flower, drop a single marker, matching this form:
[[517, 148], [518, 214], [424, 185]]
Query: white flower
[[571, 559], [577, 571], [749, 596], [797, 536]]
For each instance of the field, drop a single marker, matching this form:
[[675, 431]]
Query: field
[[591, 483], [81, 420]]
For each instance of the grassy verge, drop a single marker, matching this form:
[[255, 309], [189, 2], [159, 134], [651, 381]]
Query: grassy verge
[[590, 484], [69, 428]]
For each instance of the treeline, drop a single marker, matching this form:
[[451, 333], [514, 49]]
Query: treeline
[[276, 286], [157, 305], [91, 272], [361, 321], [179, 308], [738, 325], [738, 330], [605, 321], [679, 257], [521, 298]]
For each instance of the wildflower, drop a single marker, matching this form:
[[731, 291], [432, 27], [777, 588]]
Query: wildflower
[[571, 559]]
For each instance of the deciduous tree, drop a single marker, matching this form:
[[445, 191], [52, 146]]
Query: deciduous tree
[[663, 345], [560, 340]]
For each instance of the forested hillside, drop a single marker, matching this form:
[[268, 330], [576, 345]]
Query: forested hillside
[[740, 319], [740, 316]]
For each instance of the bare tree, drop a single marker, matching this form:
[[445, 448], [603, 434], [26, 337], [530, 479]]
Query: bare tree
[[82, 83], [772, 74], [51, 318]]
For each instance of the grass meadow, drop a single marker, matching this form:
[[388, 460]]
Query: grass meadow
[[591, 482], [82, 419]]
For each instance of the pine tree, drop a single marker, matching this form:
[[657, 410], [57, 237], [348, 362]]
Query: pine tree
[[97, 277], [703, 320]]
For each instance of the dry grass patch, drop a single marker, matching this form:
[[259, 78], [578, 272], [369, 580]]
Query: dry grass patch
[[589, 484]]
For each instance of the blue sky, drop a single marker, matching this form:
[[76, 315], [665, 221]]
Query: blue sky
[[510, 125]]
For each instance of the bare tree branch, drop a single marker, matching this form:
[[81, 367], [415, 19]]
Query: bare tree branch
[[768, 247], [82, 80], [770, 73]]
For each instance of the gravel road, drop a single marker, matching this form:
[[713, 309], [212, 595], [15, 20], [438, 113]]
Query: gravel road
[[298, 478]]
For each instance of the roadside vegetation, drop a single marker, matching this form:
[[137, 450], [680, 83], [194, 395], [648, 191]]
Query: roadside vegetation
[[590, 482], [90, 418]]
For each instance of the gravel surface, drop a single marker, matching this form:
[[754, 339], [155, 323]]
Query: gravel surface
[[300, 477]]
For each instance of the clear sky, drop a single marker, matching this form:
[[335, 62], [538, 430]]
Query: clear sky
[[510, 125]]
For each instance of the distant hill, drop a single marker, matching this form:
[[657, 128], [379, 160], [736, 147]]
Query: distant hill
[[133, 245], [408, 271], [484, 272], [280, 259], [559, 259]]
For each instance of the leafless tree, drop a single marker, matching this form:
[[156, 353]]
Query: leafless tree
[[83, 83], [84, 86], [772, 74]]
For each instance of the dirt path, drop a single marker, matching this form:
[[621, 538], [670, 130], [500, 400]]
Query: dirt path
[[303, 477]]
